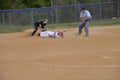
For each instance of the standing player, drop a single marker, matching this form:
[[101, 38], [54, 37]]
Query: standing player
[[40, 24], [85, 18]]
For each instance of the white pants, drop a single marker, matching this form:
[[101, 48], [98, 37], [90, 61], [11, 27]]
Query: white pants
[[49, 34]]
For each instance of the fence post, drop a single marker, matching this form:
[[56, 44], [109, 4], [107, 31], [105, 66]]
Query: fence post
[[10, 18], [100, 10], [56, 15], [32, 18], [51, 10], [3, 16], [75, 12], [118, 8]]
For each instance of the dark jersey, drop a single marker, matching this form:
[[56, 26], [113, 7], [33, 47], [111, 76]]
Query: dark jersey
[[36, 25], [40, 23]]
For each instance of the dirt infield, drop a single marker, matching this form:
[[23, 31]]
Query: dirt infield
[[96, 57]]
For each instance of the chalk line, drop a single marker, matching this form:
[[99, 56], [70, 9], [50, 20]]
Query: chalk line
[[79, 66]]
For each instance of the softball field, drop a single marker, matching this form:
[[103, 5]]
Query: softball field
[[73, 57]]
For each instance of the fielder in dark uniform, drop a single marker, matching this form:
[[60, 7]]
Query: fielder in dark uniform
[[40, 24]]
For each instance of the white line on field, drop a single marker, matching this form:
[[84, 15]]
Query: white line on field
[[36, 57], [93, 66], [48, 55], [55, 54], [79, 66]]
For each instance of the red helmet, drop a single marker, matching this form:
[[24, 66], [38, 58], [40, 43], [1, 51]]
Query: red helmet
[[60, 34]]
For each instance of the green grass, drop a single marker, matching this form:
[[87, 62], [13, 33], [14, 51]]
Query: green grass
[[92, 24], [105, 23], [9, 29], [63, 25]]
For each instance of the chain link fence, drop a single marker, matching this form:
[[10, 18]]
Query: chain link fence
[[58, 14]]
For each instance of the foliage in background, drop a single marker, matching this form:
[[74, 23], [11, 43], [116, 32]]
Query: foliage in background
[[19, 4]]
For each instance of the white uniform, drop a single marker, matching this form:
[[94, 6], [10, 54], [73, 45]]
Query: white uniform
[[49, 34], [85, 14]]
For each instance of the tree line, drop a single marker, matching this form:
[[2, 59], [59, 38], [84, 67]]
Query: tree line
[[20, 4]]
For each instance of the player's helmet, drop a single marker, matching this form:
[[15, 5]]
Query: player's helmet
[[60, 34], [83, 8]]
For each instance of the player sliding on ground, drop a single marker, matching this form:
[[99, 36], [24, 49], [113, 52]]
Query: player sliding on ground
[[52, 34]]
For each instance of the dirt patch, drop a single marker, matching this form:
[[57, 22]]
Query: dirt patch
[[96, 57]]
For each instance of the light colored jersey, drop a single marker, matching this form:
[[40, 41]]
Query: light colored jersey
[[85, 14], [49, 34]]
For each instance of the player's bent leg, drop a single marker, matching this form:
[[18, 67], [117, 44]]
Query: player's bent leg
[[34, 31], [86, 30], [81, 27]]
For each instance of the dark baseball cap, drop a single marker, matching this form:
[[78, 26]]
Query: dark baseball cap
[[83, 8]]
